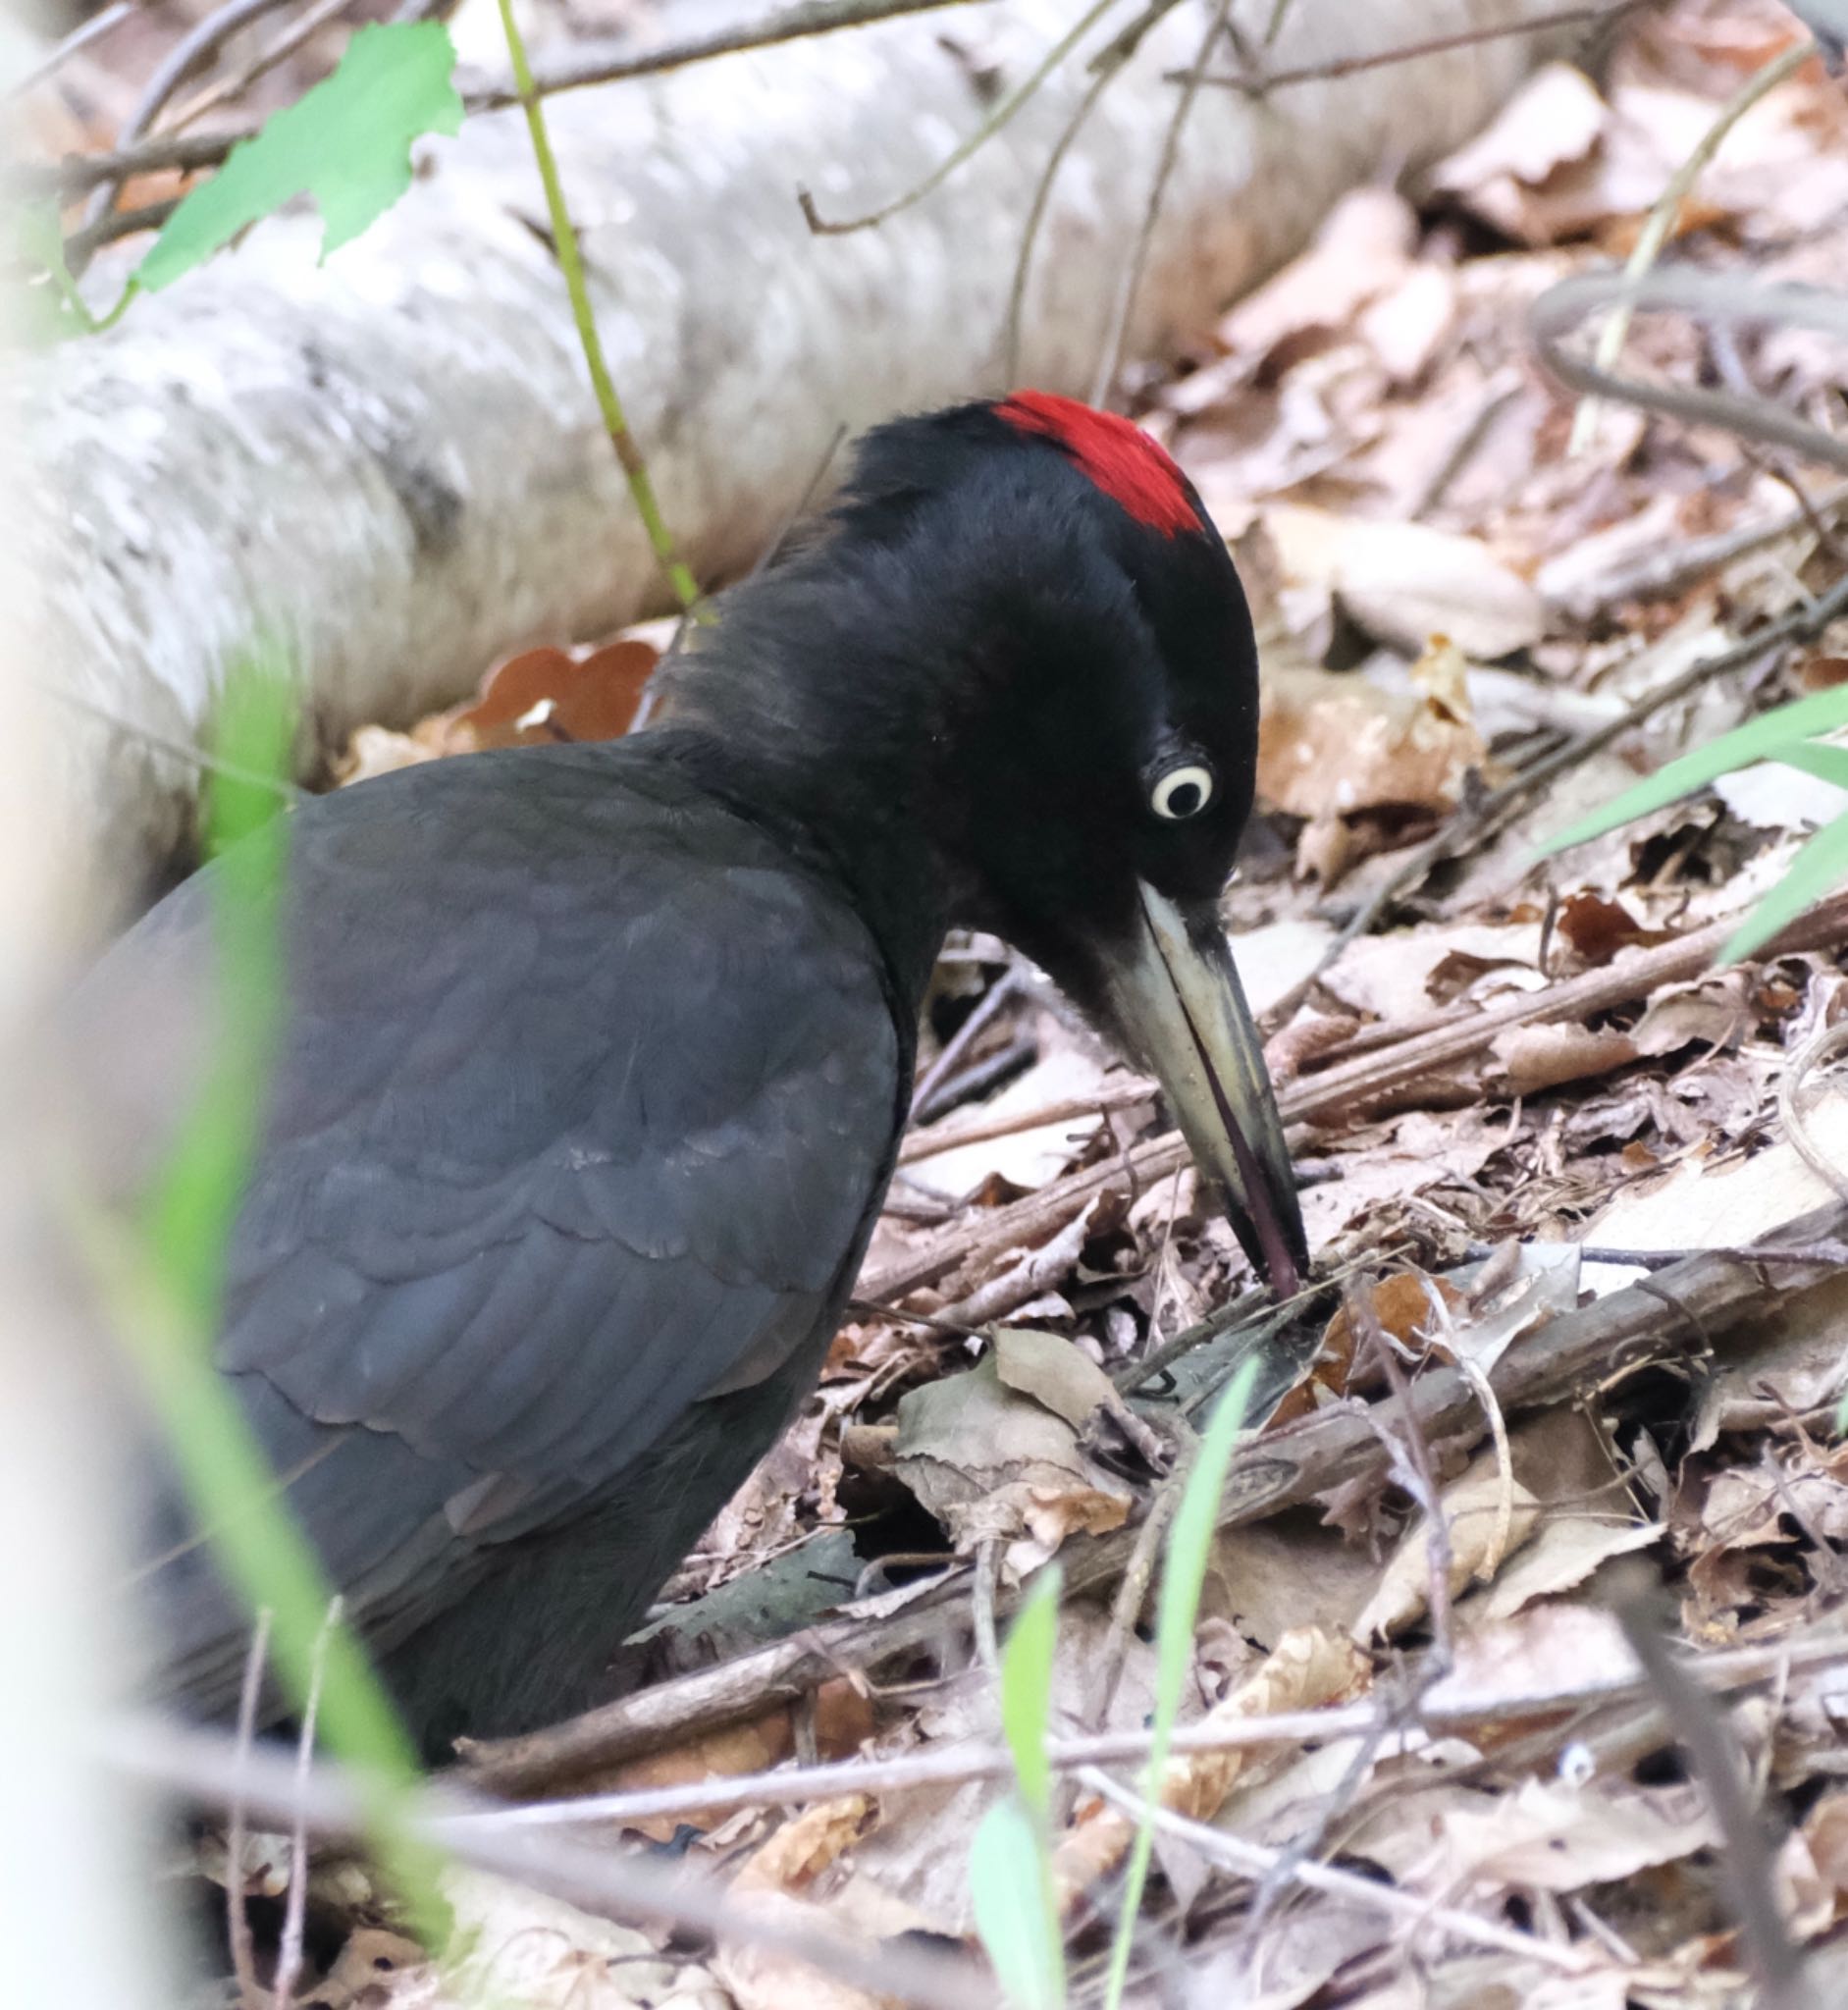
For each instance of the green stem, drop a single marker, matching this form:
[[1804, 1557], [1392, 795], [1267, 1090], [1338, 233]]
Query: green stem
[[571, 264]]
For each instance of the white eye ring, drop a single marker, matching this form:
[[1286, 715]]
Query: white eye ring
[[1182, 792]]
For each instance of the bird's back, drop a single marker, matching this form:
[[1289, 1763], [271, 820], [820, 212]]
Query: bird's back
[[587, 1086]]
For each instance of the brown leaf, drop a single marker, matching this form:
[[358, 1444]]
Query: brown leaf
[[546, 695], [1307, 1668]]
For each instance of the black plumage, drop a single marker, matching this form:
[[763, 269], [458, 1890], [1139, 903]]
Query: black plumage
[[594, 1059]]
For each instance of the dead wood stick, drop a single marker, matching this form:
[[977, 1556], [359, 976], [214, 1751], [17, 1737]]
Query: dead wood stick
[[1349, 1084], [1703, 1297], [1561, 1709]]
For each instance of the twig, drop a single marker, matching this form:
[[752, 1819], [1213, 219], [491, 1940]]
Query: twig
[[1001, 116], [294, 1910], [194, 49], [1744, 1863], [1132, 1593], [571, 264], [260, 65], [83, 244], [165, 743], [609, 63], [1353, 1084], [1262, 85], [1588, 1346], [202, 1766], [237, 1827], [1004, 988], [1711, 296], [964, 1762], [1111, 358], [1254, 1860], [1104, 65], [1410, 1459], [1472, 823], [932, 1142], [92, 30], [988, 1575], [1659, 1259], [1498, 395], [1830, 1042], [1665, 570], [1662, 218], [583, 68]]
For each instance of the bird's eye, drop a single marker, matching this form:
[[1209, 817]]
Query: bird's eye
[[1182, 792]]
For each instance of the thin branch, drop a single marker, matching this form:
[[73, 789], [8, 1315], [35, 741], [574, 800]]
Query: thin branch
[[166, 743], [1830, 1042], [1662, 216], [1255, 1859], [238, 1829], [1001, 116], [1711, 296], [92, 30], [1745, 1864], [1411, 1465], [260, 65], [583, 68], [1262, 85], [202, 1766], [1104, 65], [571, 264], [83, 244], [1111, 360], [1282, 1469], [294, 1910], [190, 53], [1475, 824]]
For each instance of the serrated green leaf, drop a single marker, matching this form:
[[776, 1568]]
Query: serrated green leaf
[[346, 143], [1816, 871], [1014, 1914], [1759, 739], [1026, 1692]]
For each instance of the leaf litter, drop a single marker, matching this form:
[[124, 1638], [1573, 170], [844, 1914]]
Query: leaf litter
[[1442, 593]]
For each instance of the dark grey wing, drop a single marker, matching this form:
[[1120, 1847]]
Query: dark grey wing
[[585, 1091]]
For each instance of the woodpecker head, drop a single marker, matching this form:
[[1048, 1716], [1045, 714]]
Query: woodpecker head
[[1011, 675]]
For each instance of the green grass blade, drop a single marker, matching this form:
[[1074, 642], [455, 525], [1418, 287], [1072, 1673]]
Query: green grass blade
[[1816, 871], [1190, 1549], [1010, 1861], [1027, 1691], [1009, 1879], [161, 1277], [1759, 739]]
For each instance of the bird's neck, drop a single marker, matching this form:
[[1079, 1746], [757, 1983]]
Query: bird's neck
[[794, 714]]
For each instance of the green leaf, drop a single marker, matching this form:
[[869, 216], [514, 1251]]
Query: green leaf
[[1814, 871], [346, 143], [1018, 1926], [1190, 1549], [1759, 739], [1026, 1693]]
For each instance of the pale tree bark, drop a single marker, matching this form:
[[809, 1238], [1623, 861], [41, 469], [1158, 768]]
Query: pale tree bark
[[393, 462]]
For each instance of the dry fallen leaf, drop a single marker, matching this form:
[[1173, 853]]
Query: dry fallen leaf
[[1405, 583], [995, 1466], [1306, 1669], [1482, 1507]]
